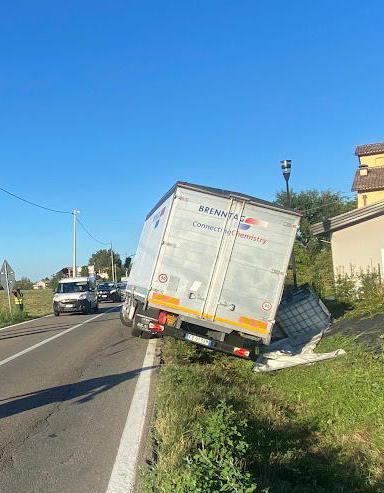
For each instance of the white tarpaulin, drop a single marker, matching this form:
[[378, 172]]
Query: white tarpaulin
[[303, 319], [284, 355]]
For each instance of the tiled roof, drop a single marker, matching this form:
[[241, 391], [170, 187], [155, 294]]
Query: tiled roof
[[368, 149], [374, 180]]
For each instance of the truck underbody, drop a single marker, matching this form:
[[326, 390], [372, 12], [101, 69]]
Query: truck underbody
[[148, 321]]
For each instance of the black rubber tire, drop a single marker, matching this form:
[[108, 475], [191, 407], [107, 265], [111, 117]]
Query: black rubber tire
[[125, 321], [135, 331], [56, 313], [96, 309]]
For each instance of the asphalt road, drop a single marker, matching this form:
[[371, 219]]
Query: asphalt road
[[64, 404]]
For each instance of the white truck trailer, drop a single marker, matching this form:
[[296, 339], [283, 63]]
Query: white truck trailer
[[210, 269]]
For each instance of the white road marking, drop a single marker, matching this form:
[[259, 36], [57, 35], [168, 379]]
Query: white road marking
[[25, 322], [52, 338], [123, 475]]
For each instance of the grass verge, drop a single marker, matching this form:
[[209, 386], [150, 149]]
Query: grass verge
[[37, 303], [221, 427]]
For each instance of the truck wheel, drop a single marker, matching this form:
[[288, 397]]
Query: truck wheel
[[135, 331], [124, 319]]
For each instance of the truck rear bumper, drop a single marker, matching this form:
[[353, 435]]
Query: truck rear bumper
[[207, 342]]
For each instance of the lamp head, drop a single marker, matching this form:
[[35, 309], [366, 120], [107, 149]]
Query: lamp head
[[286, 165]]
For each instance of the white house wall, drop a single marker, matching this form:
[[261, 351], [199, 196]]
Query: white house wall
[[359, 247]]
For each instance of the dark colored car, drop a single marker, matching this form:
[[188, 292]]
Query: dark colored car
[[107, 291]]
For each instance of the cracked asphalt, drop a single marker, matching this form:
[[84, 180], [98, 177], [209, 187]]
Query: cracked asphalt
[[63, 405]]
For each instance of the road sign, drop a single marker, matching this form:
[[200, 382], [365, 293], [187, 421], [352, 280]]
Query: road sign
[[7, 280], [7, 276]]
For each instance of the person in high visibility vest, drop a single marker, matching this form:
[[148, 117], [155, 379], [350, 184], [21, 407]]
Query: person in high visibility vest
[[19, 299]]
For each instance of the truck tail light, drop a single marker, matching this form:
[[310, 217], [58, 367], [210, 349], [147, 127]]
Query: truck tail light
[[166, 318], [156, 327], [162, 318], [239, 351]]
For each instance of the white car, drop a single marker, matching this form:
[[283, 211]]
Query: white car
[[75, 294]]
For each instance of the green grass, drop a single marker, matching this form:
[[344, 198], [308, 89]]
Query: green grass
[[37, 303], [366, 308], [316, 428]]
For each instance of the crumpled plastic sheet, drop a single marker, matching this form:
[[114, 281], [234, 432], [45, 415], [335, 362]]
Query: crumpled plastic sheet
[[283, 354]]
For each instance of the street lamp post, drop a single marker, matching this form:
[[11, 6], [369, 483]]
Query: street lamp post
[[74, 266], [112, 265], [286, 166]]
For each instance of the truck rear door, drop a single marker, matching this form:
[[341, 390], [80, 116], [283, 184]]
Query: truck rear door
[[250, 271], [189, 253]]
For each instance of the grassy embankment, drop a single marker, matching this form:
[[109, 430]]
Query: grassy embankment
[[221, 427], [37, 303]]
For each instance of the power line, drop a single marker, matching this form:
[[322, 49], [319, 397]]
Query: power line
[[90, 235], [33, 203]]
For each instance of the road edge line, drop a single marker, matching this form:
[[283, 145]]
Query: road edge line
[[123, 476], [26, 321]]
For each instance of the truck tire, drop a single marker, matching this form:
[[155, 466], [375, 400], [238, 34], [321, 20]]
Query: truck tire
[[135, 331], [125, 320], [128, 312]]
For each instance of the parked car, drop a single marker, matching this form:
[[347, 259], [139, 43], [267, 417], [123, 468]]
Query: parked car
[[76, 294], [121, 287], [107, 291]]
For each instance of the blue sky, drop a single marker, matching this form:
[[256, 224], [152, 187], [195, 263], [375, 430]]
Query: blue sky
[[104, 105]]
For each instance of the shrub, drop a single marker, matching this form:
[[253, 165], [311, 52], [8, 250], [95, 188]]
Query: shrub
[[218, 464], [9, 319]]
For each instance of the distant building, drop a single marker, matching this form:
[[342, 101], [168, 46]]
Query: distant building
[[369, 178], [66, 271], [40, 285], [103, 275]]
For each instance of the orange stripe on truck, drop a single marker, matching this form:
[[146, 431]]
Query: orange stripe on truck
[[258, 324], [174, 306], [164, 297], [262, 327], [243, 323]]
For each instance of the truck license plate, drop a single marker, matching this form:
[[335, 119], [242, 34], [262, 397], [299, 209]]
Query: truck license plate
[[198, 340]]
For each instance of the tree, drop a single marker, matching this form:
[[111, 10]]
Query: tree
[[316, 206], [313, 256], [54, 280], [128, 265], [24, 283], [102, 262]]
